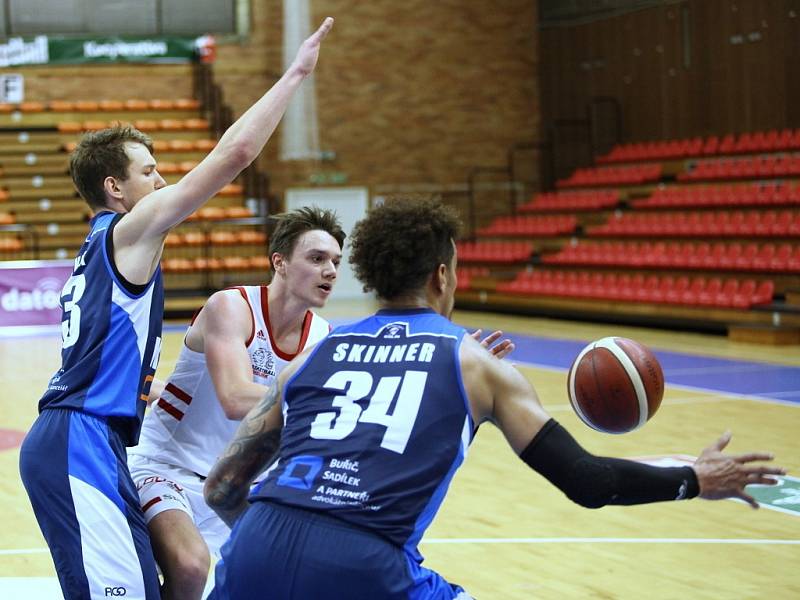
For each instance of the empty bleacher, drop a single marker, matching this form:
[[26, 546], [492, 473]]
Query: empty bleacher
[[701, 232], [42, 216]]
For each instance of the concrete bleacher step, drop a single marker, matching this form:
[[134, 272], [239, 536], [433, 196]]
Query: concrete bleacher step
[[38, 148], [26, 206], [28, 171], [33, 160], [52, 194], [61, 217], [52, 118]]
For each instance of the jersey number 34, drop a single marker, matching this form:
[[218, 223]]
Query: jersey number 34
[[333, 425]]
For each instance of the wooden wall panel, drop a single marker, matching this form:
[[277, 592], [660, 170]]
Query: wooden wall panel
[[742, 74]]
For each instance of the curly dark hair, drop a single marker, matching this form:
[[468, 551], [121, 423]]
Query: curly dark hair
[[291, 225], [397, 246], [102, 154]]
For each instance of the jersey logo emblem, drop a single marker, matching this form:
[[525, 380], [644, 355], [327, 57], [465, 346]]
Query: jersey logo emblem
[[394, 331], [263, 363]]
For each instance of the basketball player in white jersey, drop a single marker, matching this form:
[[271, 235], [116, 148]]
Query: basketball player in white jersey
[[235, 347]]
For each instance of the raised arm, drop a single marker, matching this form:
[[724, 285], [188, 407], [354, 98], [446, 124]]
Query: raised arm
[[139, 236], [226, 325]]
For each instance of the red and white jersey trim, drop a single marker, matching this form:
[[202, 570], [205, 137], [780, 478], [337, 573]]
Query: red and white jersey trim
[[186, 426]]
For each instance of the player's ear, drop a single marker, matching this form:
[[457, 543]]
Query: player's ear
[[440, 277], [111, 187], [278, 263]]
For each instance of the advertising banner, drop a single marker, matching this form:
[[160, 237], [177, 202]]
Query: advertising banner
[[30, 292], [44, 50]]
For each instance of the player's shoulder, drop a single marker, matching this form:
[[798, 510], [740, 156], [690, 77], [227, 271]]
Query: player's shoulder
[[229, 303]]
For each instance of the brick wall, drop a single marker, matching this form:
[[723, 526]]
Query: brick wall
[[412, 93]]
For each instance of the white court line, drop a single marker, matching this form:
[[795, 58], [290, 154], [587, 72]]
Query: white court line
[[747, 368], [23, 551], [578, 540]]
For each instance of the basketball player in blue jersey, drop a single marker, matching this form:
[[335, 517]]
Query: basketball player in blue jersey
[[73, 461], [371, 425]]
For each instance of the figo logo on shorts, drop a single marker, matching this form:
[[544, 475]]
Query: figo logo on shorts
[[116, 591]]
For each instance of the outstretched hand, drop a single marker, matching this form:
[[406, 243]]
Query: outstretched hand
[[501, 350], [307, 55], [725, 475]]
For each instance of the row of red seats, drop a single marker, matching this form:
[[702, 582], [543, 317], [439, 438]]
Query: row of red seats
[[215, 238], [682, 255], [205, 145], [494, 252], [693, 224], [571, 201], [516, 225], [102, 105], [760, 141], [227, 263], [215, 213], [751, 167], [699, 291], [709, 196], [600, 176], [140, 124]]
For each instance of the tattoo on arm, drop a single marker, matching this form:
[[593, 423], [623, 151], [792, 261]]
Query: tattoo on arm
[[247, 455]]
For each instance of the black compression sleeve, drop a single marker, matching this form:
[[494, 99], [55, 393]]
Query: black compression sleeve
[[594, 481]]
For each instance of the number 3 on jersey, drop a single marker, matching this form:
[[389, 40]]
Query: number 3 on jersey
[[71, 327], [358, 384]]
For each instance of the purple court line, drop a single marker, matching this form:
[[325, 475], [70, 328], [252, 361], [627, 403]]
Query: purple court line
[[696, 371], [751, 379]]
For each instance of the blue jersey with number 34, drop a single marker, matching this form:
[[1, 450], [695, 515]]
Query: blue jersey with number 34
[[111, 337], [376, 424]]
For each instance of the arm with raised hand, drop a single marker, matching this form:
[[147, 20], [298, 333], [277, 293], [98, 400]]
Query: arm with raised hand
[[148, 222]]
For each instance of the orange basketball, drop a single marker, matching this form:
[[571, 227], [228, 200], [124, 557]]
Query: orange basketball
[[615, 385]]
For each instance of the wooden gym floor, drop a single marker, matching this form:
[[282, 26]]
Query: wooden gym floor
[[504, 533]]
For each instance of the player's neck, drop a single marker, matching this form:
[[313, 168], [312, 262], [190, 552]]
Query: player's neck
[[407, 302], [286, 312]]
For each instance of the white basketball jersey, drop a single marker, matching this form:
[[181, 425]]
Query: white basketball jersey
[[186, 426]]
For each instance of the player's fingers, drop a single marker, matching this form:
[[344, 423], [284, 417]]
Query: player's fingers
[[753, 456], [722, 442], [749, 499], [765, 470], [758, 479], [476, 335], [503, 349], [323, 30], [490, 339]]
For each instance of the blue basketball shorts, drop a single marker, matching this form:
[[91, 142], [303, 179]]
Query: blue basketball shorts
[[283, 553], [75, 473]]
